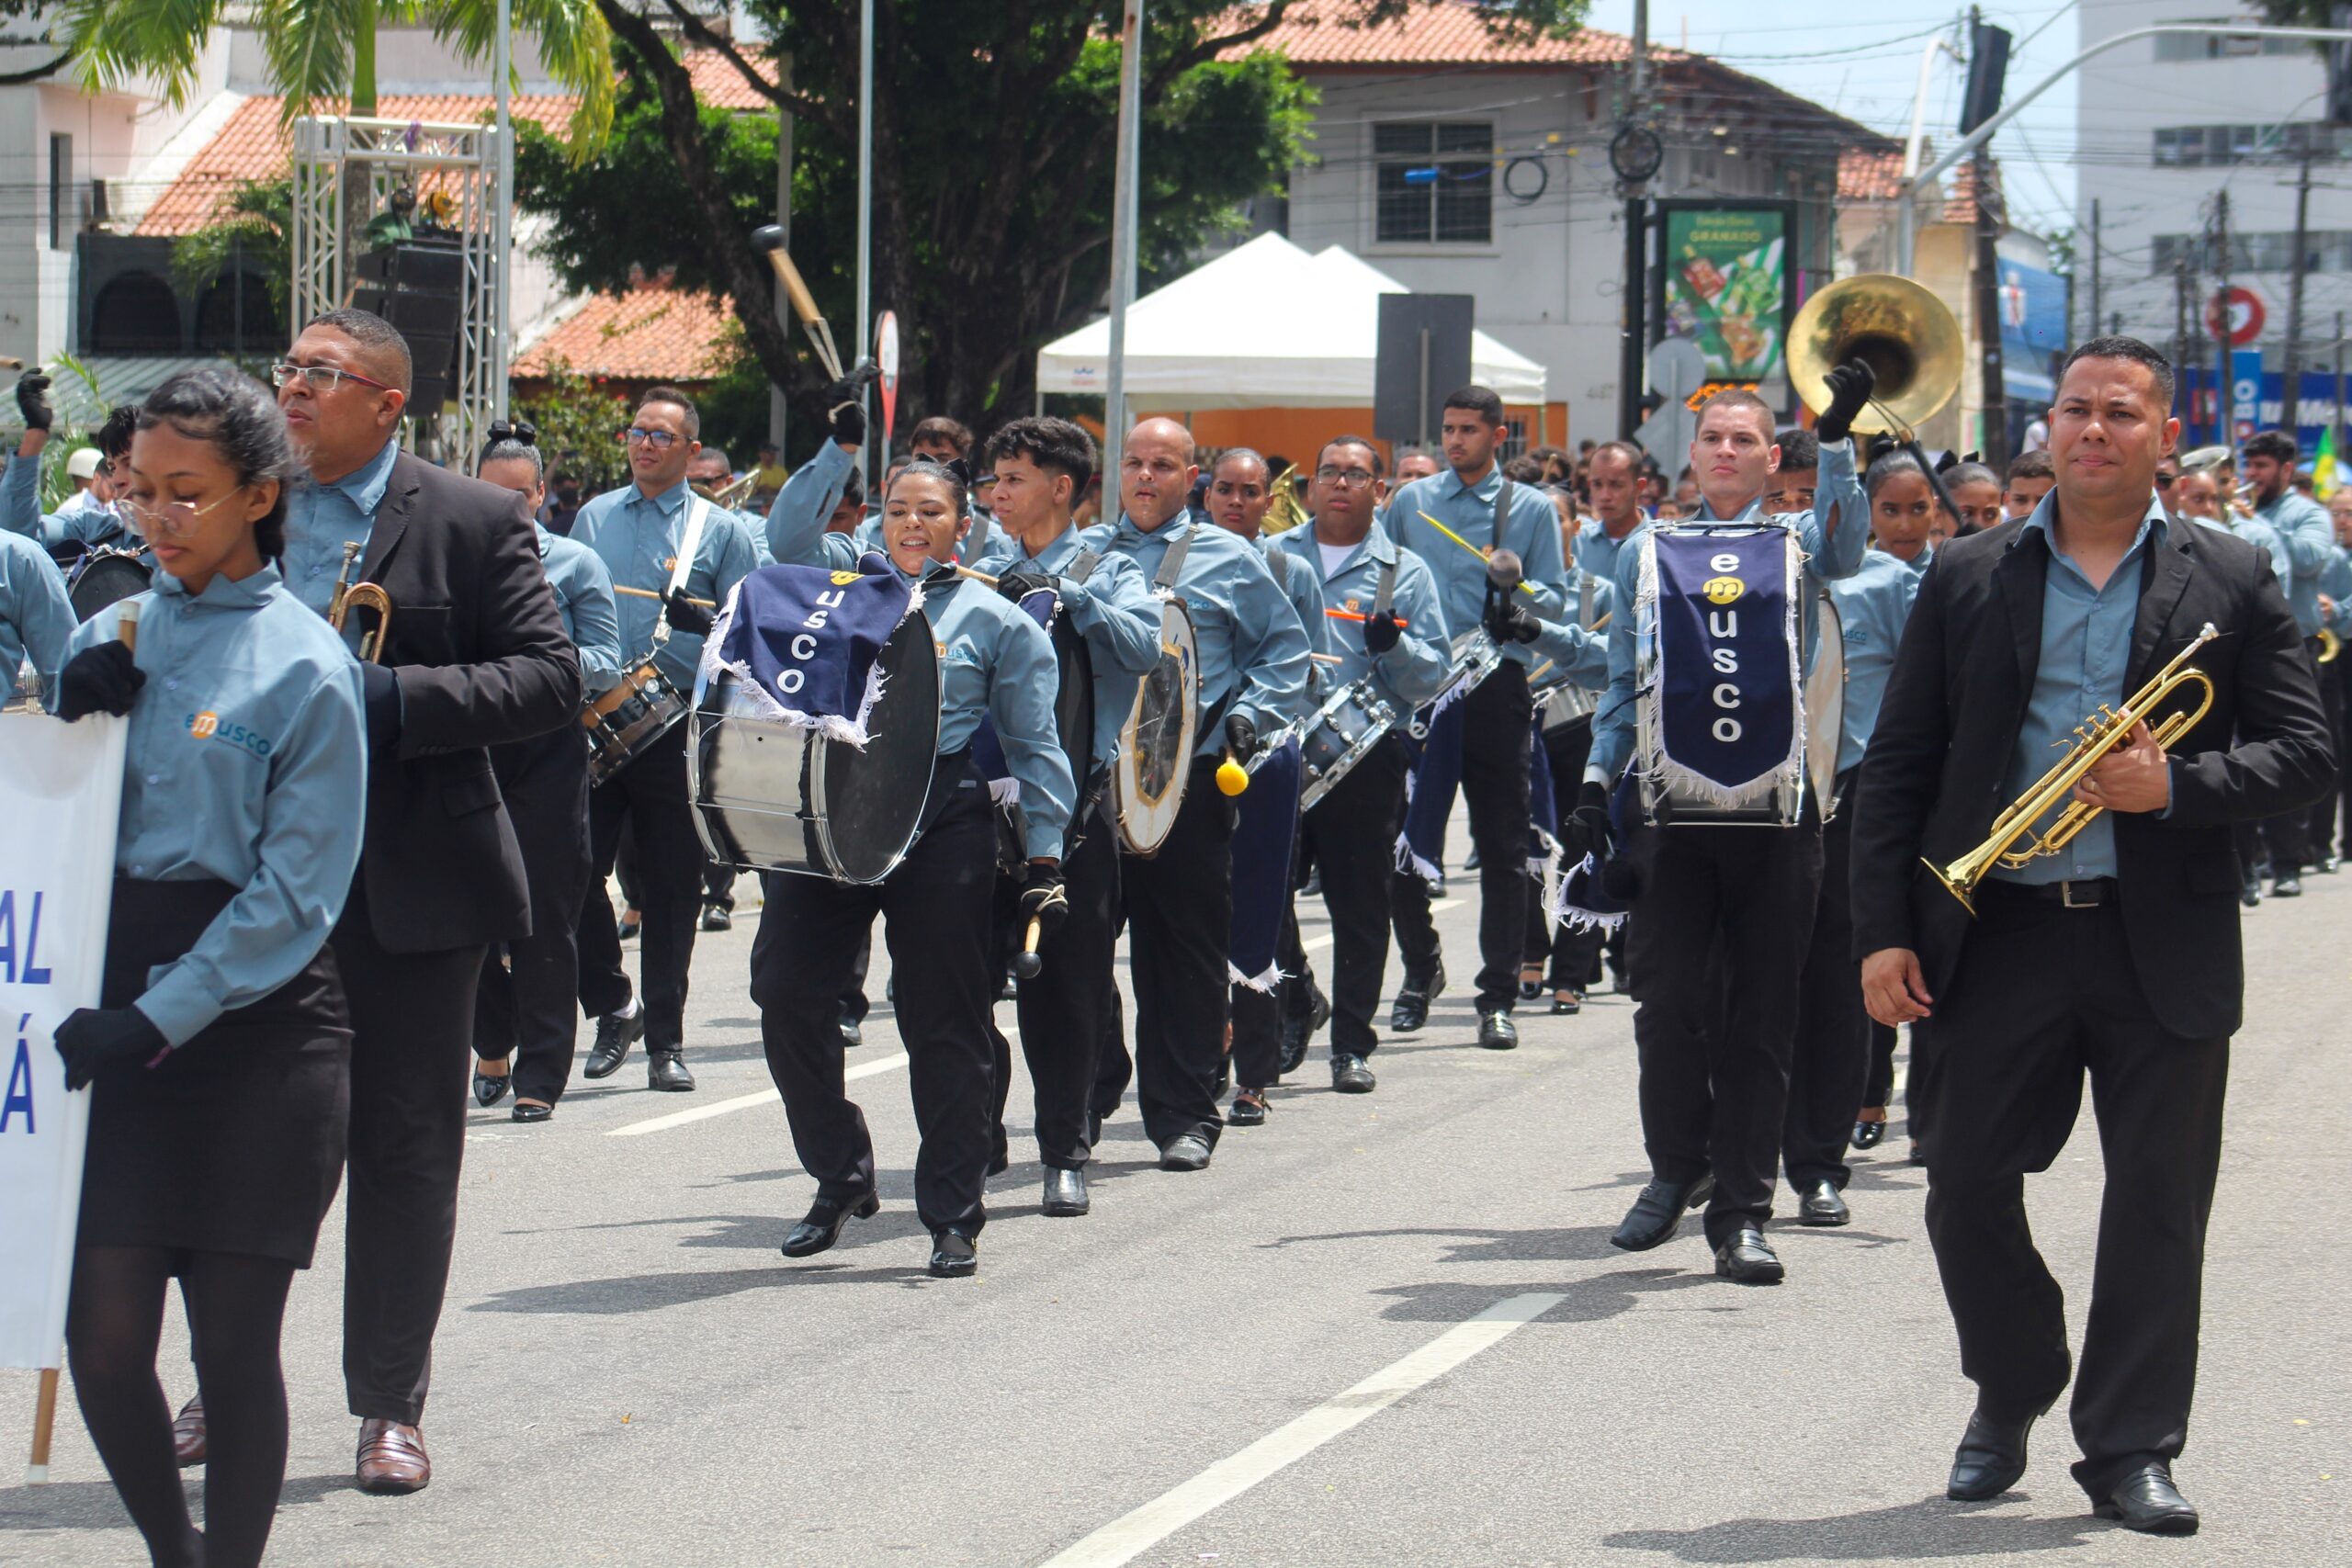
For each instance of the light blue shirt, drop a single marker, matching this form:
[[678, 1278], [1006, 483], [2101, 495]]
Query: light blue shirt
[[81, 521], [1533, 530], [2335, 581], [2259, 535], [800, 510], [993, 660], [247, 764], [1411, 672], [36, 618], [1251, 647], [637, 536], [320, 519], [1832, 535], [584, 593], [1304, 591], [1872, 606], [1576, 655], [1597, 552], [2309, 538], [1112, 609], [2084, 659]]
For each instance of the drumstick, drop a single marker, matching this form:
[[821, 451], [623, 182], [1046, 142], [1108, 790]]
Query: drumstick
[[1326, 659], [770, 242], [1359, 615], [1523, 586], [126, 627], [1026, 964], [650, 593]]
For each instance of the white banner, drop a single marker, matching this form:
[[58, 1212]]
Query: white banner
[[61, 795]]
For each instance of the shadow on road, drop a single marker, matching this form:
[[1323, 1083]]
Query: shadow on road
[[1573, 1243], [1931, 1527], [1588, 1300], [93, 1504]]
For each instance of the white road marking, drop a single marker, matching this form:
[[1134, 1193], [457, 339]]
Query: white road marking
[[1123, 1540], [1311, 943], [745, 1101]]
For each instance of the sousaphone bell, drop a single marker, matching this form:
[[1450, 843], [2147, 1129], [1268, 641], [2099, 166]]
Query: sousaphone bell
[[1901, 331]]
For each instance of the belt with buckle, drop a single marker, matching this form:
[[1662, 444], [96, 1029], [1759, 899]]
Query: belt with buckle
[[2083, 892]]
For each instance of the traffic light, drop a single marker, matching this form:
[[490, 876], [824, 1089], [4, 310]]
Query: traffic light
[[1988, 68]]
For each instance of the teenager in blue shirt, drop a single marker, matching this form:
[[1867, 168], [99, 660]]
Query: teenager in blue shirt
[[221, 1053]]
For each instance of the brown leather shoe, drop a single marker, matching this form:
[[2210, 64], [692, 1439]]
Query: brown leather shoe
[[391, 1458], [187, 1434]]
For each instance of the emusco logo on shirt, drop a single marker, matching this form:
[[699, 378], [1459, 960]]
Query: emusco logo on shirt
[[207, 726]]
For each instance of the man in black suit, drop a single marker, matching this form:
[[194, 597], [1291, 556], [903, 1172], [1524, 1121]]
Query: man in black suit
[[475, 656], [2118, 953]]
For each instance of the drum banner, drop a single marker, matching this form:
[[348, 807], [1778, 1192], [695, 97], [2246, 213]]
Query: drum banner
[[1729, 719], [55, 886], [1265, 832], [1430, 790], [988, 753], [1590, 897], [805, 642]]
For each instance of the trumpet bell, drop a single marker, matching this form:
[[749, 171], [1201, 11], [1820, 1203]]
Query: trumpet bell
[[1897, 328]]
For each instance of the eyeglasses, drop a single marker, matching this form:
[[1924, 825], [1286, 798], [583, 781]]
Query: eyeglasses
[[1330, 475], [2163, 482], [638, 436], [172, 520], [322, 378]]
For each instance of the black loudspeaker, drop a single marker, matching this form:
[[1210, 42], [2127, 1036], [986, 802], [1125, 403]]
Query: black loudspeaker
[[1988, 69], [419, 286]]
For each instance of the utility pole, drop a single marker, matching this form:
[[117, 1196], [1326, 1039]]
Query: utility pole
[[1125, 164], [2095, 266], [2290, 381], [1632, 318], [2181, 290], [1992, 396], [2224, 405], [2338, 421]]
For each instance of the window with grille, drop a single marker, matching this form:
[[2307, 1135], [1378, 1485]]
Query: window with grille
[[1435, 182]]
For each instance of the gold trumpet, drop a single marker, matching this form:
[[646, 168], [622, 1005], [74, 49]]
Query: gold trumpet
[[2100, 734], [2330, 645], [732, 494], [349, 597]]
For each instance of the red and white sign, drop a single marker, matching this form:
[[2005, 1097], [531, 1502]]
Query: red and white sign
[[2245, 315], [885, 355]]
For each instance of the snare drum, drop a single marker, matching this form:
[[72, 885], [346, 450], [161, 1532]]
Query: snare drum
[[1558, 706], [770, 795], [104, 575], [1342, 733], [625, 722], [1475, 657]]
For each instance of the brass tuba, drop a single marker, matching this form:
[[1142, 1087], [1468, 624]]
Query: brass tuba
[[1897, 328], [731, 495], [349, 597], [1289, 508], [2099, 733]]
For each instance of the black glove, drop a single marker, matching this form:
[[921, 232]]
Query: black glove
[[685, 615], [32, 401], [1240, 735], [1849, 389], [1510, 621], [381, 689], [848, 417], [1043, 899], [93, 1038], [1586, 828], [1018, 585], [99, 679], [1380, 632]]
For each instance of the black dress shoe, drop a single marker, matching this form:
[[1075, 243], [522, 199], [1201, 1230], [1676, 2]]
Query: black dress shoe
[[1412, 1008], [2251, 894], [1248, 1110], [2330, 864], [852, 1036], [1658, 1211], [630, 923], [2287, 887], [1823, 1205], [1298, 1030], [953, 1255], [1564, 1003], [715, 919], [1530, 990], [1187, 1151], [616, 1033], [527, 1112], [1867, 1135], [2147, 1500], [1066, 1193], [1350, 1076], [1496, 1030], [489, 1089], [1747, 1258], [666, 1071], [1991, 1458], [821, 1226]]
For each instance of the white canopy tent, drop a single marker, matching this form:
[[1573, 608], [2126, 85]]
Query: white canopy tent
[[1266, 325]]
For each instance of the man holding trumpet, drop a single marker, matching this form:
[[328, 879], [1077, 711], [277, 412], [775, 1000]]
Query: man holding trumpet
[[2062, 638]]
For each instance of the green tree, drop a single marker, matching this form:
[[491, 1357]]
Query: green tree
[[256, 223], [993, 131], [579, 423]]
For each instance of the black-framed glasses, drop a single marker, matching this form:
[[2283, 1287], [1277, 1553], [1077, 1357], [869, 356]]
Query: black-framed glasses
[[638, 436], [1330, 474], [322, 378], [2163, 482]]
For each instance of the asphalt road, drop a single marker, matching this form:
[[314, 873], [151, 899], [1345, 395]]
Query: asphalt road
[[1378, 1329]]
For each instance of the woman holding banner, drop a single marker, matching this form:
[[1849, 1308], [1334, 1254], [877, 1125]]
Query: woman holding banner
[[221, 1053]]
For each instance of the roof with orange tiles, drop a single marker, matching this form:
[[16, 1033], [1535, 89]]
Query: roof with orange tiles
[[1864, 174], [1959, 202], [1447, 33], [646, 335], [252, 146]]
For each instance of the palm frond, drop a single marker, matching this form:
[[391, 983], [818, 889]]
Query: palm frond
[[114, 41]]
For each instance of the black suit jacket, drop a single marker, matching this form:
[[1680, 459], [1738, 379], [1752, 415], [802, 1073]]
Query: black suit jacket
[[479, 649], [1936, 773]]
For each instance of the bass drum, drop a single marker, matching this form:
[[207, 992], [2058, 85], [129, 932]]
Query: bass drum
[[1156, 749], [1824, 707], [774, 796], [106, 575]]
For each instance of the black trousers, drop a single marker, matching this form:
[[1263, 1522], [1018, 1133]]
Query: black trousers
[[2042, 995], [1572, 956], [1064, 1009], [1829, 1064], [412, 1024], [2324, 811], [1178, 906], [1879, 1086], [1496, 736], [1725, 913], [523, 1009], [650, 796], [1408, 913], [1258, 1015], [1351, 835], [935, 916]]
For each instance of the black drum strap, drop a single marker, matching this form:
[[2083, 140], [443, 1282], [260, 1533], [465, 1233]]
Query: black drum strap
[[1082, 565], [1171, 565], [1385, 594]]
